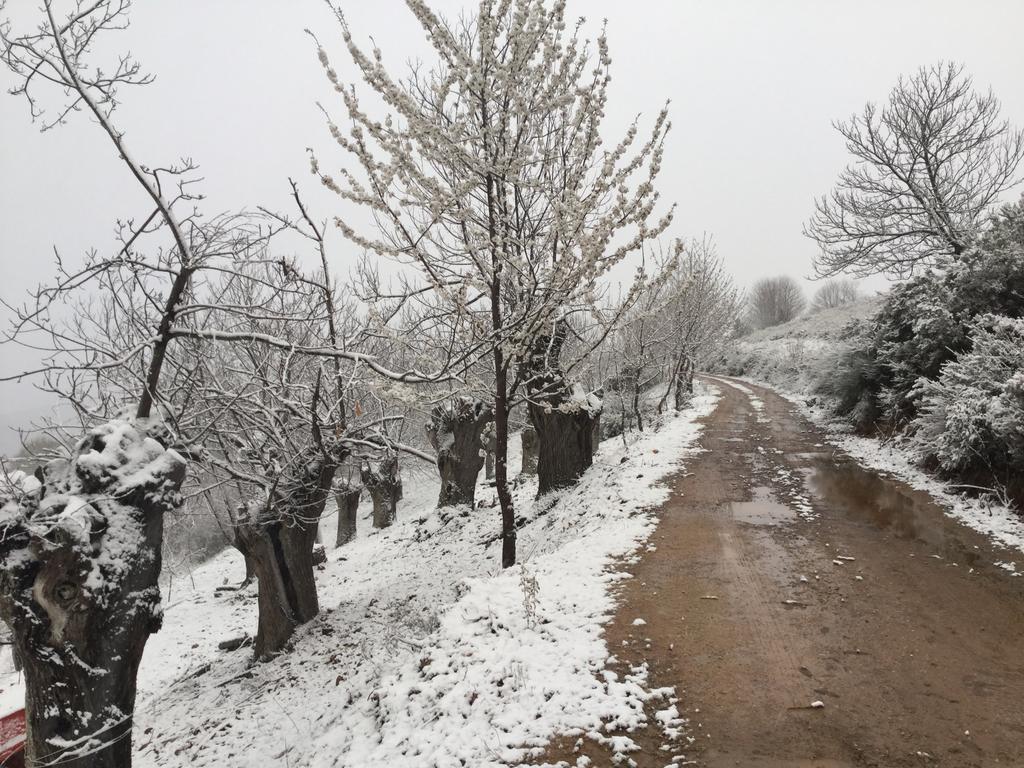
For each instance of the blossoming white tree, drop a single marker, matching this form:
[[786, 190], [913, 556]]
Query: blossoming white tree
[[490, 177]]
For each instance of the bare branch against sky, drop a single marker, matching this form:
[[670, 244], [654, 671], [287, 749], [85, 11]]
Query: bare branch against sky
[[754, 87]]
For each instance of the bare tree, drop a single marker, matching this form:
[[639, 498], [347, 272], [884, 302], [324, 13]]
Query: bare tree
[[80, 559], [834, 293], [81, 541], [384, 485], [636, 346], [687, 312], [928, 168], [702, 311], [775, 300], [490, 180]]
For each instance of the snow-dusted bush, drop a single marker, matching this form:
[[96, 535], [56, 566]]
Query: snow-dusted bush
[[916, 331], [926, 322], [972, 417], [849, 381]]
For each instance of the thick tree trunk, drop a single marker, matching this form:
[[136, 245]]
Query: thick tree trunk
[[278, 537], [490, 440], [531, 449], [455, 434], [684, 382], [564, 419], [81, 595], [566, 446], [595, 433], [347, 497], [283, 558], [384, 487]]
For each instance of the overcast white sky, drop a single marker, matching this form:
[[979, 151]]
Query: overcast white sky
[[754, 87]]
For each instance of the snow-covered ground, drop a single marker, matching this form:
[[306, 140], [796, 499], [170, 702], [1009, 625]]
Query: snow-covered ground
[[425, 653], [792, 355], [789, 358]]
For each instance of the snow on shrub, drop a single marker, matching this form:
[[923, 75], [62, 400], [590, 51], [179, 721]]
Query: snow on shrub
[[972, 417]]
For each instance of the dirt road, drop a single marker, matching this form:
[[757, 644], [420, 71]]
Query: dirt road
[[783, 575]]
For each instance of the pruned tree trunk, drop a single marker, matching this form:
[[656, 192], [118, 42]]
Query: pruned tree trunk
[[81, 557], [278, 537], [455, 434], [684, 382], [384, 487], [530, 450], [566, 448], [347, 497], [637, 393], [283, 558], [563, 418], [489, 437]]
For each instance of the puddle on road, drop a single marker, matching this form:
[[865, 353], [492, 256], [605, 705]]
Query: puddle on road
[[888, 505], [763, 509], [813, 456]]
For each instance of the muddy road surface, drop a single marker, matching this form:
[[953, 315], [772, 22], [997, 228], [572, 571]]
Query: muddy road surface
[[810, 613]]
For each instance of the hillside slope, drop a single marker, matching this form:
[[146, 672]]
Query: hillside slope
[[791, 356], [425, 652]]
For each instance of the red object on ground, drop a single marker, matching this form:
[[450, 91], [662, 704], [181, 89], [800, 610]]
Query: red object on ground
[[12, 739]]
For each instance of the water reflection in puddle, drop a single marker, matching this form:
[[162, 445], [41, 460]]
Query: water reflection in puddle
[[887, 505], [762, 509]]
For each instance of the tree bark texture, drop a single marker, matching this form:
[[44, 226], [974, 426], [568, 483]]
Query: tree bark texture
[[384, 487], [563, 418], [528, 437], [279, 538], [80, 561], [566, 447], [455, 434], [347, 497]]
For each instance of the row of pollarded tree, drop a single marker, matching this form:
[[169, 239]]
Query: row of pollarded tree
[[203, 366]]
